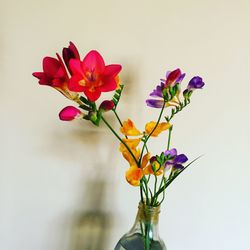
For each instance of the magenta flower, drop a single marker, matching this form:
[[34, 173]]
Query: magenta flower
[[69, 113], [92, 76]]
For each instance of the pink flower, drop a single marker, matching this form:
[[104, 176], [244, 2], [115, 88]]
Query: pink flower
[[92, 77], [54, 73], [69, 113]]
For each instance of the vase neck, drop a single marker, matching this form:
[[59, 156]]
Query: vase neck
[[148, 214], [147, 220]]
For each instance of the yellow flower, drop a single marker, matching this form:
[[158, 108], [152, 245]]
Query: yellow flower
[[134, 175], [128, 128], [160, 127]]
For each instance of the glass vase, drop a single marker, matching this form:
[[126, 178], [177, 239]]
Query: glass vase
[[144, 234]]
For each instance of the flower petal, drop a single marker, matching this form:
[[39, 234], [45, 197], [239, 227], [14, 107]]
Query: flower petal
[[134, 175], [74, 85], [171, 153], [112, 70], [157, 92], [108, 84], [155, 103], [92, 95], [128, 128], [51, 66], [181, 158], [75, 66], [93, 62], [173, 76], [150, 126]]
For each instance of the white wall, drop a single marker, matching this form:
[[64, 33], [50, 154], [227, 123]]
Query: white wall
[[46, 164]]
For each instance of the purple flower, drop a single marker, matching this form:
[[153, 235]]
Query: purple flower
[[195, 83], [174, 160], [157, 92], [172, 79]]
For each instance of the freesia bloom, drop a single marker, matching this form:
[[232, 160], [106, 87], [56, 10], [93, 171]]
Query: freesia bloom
[[172, 79], [69, 113], [92, 77], [174, 160], [160, 128], [55, 75], [134, 173], [128, 128]]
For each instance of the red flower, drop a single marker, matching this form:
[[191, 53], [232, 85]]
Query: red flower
[[55, 75], [92, 77]]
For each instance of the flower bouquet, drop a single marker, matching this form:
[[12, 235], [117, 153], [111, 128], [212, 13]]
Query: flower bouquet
[[83, 82]]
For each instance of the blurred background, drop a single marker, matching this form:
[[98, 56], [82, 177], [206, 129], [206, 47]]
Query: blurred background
[[61, 183]]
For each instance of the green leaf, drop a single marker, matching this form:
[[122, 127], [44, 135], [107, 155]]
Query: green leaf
[[84, 100], [85, 107], [117, 95]]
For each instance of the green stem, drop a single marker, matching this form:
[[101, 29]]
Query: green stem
[[118, 118], [141, 190], [146, 139], [171, 179], [174, 112], [120, 139], [169, 136]]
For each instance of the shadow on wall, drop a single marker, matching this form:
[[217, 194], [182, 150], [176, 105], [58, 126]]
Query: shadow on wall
[[92, 226]]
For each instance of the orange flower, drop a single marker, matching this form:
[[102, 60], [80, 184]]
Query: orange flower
[[128, 128], [160, 127], [134, 175]]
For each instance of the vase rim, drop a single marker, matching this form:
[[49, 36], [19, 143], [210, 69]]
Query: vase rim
[[150, 209]]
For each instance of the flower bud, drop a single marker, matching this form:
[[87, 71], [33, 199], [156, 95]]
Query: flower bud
[[69, 113], [196, 83], [106, 106]]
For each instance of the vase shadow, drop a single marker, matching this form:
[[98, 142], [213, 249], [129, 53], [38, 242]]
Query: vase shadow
[[91, 227]]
